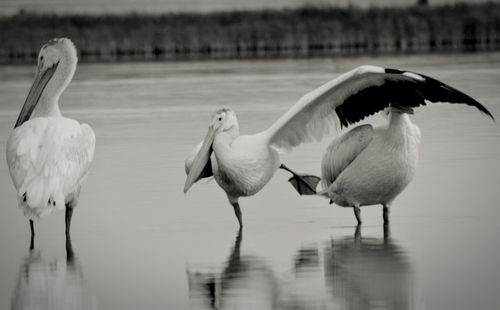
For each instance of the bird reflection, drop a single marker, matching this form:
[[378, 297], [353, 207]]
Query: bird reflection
[[369, 273], [304, 287], [346, 273], [51, 283], [245, 282]]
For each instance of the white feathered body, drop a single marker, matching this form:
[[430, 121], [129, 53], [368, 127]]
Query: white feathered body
[[243, 166], [48, 159], [380, 171]]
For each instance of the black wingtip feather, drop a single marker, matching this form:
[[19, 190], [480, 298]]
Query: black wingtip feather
[[394, 71], [458, 96], [404, 91]]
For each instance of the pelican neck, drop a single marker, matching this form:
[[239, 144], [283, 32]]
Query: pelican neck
[[399, 119], [49, 100]]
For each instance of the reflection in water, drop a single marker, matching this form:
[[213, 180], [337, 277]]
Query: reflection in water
[[369, 273], [245, 282], [51, 283], [304, 286], [351, 273]]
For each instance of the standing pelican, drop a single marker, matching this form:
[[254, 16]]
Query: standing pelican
[[367, 165], [242, 165], [49, 155]]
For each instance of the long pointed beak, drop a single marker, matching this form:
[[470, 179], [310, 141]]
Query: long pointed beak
[[42, 77], [201, 159]]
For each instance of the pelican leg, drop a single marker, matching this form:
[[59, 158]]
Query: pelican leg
[[32, 239], [70, 205], [68, 215], [357, 234], [387, 233], [385, 214], [237, 212], [304, 184], [70, 256], [32, 228], [357, 213]]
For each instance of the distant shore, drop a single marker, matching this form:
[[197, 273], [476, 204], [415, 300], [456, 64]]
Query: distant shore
[[302, 32]]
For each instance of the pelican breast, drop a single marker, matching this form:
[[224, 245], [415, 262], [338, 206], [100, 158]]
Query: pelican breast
[[245, 166]]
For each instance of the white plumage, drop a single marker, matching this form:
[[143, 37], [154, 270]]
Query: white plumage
[[313, 116], [49, 155], [48, 159], [367, 166]]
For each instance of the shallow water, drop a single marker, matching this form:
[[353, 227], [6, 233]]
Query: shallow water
[[139, 242]]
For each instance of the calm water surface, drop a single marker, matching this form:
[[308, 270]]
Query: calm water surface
[[139, 243]]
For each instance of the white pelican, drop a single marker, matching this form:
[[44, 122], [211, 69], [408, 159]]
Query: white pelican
[[367, 165], [242, 165], [49, 155]]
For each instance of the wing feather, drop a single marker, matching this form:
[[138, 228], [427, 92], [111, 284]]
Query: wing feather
[[342, 151], [355, 95], [48, 159]]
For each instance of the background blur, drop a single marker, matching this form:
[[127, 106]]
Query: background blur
[[193, 29]]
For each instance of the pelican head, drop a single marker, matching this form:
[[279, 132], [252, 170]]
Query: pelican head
[[223, 121], [56, 66]]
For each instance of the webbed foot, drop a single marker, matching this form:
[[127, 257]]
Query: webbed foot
[[303, 184]]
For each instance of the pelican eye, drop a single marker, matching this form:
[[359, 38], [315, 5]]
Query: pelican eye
[[41, 57], [220, 118]]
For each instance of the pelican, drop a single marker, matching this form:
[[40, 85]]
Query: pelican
[[242, 165], [366, 165], [49, 155]]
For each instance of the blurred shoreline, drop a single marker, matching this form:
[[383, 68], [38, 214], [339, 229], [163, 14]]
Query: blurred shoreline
[[304, 32]]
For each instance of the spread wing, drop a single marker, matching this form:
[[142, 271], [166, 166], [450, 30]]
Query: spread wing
[[342, 151], [355, 95], [48, 159]]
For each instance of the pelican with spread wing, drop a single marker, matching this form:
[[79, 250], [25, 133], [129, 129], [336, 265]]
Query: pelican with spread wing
[[243, 164], [367, 165], [49, 155]]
